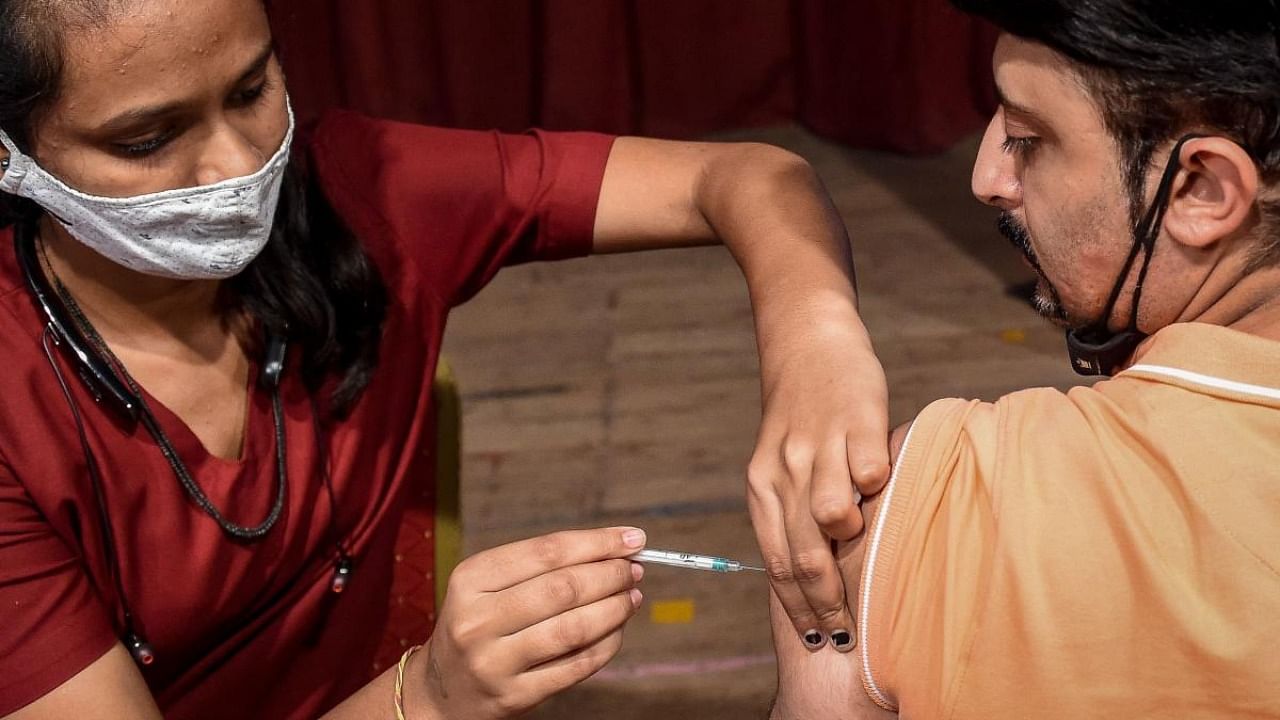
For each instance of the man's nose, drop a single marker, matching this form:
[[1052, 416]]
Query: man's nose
[[995, 180]]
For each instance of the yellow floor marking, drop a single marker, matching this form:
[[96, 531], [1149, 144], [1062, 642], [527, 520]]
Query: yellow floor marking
[[672, 612]]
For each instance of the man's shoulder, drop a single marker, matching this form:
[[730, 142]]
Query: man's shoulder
[[1034, 430], [1086, 408], [983, 421]]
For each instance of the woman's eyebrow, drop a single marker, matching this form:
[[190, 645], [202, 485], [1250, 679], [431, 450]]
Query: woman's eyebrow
[[258, 65], [143, 116], [139, 117]]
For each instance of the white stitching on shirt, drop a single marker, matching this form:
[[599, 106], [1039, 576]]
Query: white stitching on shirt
[[1209, 380], [868, 572]]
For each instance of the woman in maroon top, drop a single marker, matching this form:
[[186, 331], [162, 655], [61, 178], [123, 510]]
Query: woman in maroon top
[[218, 340]]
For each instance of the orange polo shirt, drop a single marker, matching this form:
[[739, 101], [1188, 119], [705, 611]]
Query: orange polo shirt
[[1109, 552]]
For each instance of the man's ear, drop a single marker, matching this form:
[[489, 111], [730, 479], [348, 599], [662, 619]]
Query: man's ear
[[1216, 194]]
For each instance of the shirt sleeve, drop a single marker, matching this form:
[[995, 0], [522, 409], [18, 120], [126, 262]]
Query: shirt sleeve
[[53, 625], [929, 558], [454, 206]]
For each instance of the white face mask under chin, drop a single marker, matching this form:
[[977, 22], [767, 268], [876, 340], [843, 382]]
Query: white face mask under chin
[[202, 233]]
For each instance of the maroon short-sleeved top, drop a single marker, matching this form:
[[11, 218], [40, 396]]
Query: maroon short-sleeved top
[[253, 630]]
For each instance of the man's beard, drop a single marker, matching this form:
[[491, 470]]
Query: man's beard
[[1046, 300]]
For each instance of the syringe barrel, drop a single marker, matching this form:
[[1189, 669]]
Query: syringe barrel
[[700, 562]]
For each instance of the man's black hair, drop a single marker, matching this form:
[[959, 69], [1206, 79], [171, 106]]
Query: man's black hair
[[1161, 68]]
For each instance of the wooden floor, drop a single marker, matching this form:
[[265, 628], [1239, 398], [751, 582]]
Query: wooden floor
[[624, 390]]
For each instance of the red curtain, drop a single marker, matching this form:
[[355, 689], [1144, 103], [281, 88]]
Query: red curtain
[[905, 75]]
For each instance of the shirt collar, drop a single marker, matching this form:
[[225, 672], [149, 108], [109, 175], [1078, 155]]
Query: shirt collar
[[1211, 359]]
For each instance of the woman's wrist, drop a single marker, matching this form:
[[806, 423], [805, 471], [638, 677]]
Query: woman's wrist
[[785, 329], [415, 696]]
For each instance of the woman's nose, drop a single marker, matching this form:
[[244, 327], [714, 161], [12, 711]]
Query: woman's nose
[[228, 155]]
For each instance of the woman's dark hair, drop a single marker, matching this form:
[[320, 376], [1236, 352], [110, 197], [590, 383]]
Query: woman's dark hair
[[1161, 68], [313, 283]]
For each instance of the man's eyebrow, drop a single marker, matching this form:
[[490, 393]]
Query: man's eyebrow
[[1015, 108], [142, 116]]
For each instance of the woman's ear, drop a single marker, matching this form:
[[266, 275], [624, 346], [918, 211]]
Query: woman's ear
[[1216, 196]]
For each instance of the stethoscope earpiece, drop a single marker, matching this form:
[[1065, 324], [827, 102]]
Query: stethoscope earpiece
[[140, 649], [342, 574]]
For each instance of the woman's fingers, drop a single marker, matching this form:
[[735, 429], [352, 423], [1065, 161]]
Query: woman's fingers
[[816, 575], [547, 605], [509, 565], [866, 438], [833, 500], [565, 672], [767, 517], [559, 591], [813, 560], [573, 630]]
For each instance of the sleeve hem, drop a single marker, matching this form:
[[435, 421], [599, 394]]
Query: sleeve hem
[[882, 552], [572, 215], [84, 641]]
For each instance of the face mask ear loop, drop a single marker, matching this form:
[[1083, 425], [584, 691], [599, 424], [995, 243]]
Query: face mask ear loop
[[1094, 349], [1149, 231], [14, 153], [1118, 286]]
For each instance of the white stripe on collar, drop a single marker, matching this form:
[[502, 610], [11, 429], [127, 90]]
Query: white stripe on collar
[[1208, 380]]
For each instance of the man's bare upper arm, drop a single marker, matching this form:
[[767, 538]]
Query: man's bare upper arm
[[111, 688], [898, 438]]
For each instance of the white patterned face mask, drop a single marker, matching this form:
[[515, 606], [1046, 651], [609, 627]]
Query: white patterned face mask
[[200, 233]]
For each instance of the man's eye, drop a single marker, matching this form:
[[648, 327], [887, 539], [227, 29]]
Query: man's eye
[[1018, 145]]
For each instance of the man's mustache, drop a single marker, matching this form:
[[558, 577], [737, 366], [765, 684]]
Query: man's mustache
[[1015, 233]]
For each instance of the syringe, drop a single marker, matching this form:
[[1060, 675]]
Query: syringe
[[691, 561]]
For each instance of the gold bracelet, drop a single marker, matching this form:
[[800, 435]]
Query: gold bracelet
[[404, 660]]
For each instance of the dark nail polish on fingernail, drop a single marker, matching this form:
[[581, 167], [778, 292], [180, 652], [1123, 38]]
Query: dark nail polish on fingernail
[[841, 638], [813, 639]]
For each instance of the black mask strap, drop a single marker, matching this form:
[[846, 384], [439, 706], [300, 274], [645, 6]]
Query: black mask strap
[[1094, 349]]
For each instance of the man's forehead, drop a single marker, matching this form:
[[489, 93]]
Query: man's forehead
[[1033, 80]]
